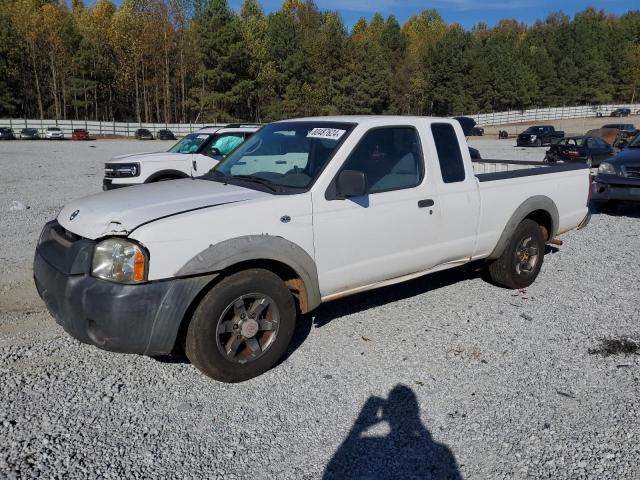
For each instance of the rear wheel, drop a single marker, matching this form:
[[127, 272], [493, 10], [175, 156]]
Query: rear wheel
[[242, 327], [520, 263]]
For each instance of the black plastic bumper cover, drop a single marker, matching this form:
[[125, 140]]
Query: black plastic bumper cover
[[610, 187], [142, 319], [107, 184]]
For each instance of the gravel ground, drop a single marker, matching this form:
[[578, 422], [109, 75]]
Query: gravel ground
[[442, 376]]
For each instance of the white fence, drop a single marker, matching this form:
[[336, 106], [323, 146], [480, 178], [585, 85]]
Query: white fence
[[103, 128], [180, 129], [542, 114]]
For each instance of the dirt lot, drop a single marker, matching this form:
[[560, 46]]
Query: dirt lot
[[571, 126], [444, 376]]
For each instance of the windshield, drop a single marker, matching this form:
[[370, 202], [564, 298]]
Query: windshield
[[287, 154], [635, 143], [534, 130], [191, 143]]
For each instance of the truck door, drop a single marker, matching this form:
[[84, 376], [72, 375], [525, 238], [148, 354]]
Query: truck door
[[457, 212], [388, 232], [217, 149]]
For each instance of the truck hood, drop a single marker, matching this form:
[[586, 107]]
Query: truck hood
[[147, 157], [628, 155], [119, 212]]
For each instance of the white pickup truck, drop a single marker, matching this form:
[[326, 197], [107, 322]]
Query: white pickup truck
[[304, 212], [194, 155]]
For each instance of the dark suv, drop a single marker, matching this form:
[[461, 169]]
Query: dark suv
[[6, 134], [618, 177], [621, 112]]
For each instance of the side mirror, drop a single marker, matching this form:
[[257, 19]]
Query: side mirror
[[352, 183]]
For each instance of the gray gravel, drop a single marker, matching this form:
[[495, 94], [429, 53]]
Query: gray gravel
[[442, 376]]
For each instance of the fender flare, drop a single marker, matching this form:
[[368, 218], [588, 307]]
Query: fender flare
[[238, 250], [163, 173], [526, 208]]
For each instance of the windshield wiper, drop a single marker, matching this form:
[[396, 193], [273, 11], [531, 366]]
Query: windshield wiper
[[262, 181]]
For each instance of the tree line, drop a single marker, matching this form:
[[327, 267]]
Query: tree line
[[201, 61]]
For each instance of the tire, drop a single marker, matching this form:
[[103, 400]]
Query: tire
[[225, 343], [510, 270], [164, 179]]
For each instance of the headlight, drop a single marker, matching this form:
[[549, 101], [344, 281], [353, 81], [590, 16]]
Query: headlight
[[121, 170], [533, 137], [119, 260], [607, 169]]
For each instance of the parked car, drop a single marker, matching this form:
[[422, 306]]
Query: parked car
[[166, 135], [539, 135], [618, 178], [624, 132], [623, 127], [503, 134], [6, 133], [589, 150], [304, 212], [54, 133], [80, 134], [476, 132], [29, 134], [192, 156], [621, 112], [468, 124], [143, 134]]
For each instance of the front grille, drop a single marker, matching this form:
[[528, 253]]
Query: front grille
[[66, 251], [632, 171]]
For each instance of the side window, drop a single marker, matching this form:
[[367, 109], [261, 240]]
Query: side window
[[391, 158], [449, 155], [224, 143]]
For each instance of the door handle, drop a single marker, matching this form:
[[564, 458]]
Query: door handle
[[426, 203], [195, 165]]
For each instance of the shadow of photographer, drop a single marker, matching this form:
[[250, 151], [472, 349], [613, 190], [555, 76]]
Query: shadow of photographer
[[406, 451]]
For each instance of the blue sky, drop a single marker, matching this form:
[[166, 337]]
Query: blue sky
[[465, 12]]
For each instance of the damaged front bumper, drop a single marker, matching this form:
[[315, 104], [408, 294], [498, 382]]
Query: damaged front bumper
[[143, 318]]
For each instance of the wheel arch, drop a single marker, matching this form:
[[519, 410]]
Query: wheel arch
[[287, 260], [541, 209], [166, 174]]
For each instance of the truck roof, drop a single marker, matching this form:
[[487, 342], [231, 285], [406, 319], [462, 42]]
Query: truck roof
[[367, 119]]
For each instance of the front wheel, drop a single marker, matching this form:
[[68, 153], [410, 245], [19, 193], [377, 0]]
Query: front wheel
[[520, 263], [242, 327]]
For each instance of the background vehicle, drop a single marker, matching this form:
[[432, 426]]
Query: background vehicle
[[165, 135], [6, 134], [621, 112], [476, 132], [589, 150], [29, 134], [623, 127], [192, 156], [143, 134], [304, 212], [54, 133], [539, 135], [80, 134], [618, 178]]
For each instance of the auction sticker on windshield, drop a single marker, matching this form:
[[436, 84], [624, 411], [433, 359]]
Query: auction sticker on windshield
[[326, 133]]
